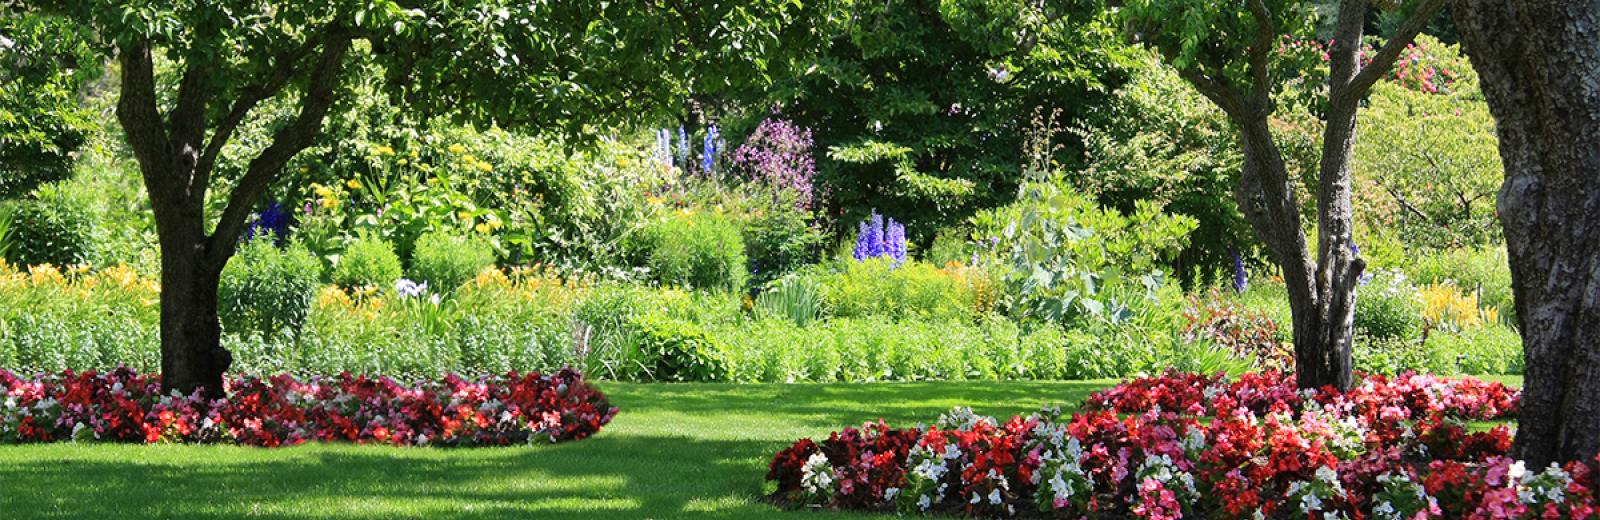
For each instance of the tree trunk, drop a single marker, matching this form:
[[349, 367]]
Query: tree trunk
[[192, 357], [176, 160], [1540, 71], [1322, 330]]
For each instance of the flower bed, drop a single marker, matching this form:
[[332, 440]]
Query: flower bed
[[125, 406], [1202, 447]]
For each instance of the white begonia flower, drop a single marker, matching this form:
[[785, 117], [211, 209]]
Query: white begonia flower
[[1515, 473]]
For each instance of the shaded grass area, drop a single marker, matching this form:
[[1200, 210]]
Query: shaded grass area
[[674, 451]]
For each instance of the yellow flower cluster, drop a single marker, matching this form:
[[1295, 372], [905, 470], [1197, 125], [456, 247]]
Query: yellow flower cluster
[[82, 281], [1445, 305]]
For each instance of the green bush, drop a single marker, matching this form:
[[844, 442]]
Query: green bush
[[794, 298], [1492, 349], [779, 239], [47, 230], [695, 249], [875, 287], [368, 262], [1387, 308], [447, 260], [266, 289], [676, 350]]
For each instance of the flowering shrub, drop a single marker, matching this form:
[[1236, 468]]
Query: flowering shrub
[[1198, 446], [126, 406], [779, 153]]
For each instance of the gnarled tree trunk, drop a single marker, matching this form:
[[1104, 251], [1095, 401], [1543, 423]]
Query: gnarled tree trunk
[[1539, 62], [176, 159], [1322, 288]]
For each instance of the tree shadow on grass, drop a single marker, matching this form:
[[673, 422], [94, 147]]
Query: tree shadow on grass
[[602, 477]]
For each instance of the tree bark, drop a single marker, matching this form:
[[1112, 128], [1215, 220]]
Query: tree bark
[[1322, 288], [176, 162], [1540, 71]]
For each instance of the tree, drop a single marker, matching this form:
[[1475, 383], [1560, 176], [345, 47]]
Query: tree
[[1232, 56], [43, 63], [923, 104], [575, 66], [1538, 68]]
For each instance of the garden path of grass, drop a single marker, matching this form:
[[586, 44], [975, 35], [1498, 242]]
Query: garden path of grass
[[674, 451]]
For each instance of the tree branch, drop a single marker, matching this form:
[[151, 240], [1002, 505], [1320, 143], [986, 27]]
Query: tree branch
[[1217, 90], [319, 97], [1260, 56], [186, 125], [1385, 58], [141, 120], [248, 99]]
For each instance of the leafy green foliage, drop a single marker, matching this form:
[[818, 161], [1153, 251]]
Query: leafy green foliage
[[1387, 308], [920, 102], [1160, 141], [1196, 34], [877, 288], [794, 298], [268, 290], [446, 259], [44, 62], [677, 350], [369, 261], [1068, 259], [48, 230], [695, 249], [1429, 161]]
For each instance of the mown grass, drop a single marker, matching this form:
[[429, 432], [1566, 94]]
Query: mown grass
[[675, 451]]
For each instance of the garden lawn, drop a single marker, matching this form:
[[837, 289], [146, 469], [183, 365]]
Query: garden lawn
[[674, 451]]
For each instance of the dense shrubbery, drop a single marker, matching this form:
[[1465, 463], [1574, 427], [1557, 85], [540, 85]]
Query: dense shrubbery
[[446, 260], [695, 249], [266, 289], [368, 262], [48, 230], [125, 406], [1204, 447], [706, 257]]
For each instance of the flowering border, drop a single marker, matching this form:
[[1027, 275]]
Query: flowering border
[[1187, 445], [125, 406]]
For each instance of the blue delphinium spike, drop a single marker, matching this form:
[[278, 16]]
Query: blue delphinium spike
[[1241, 279]]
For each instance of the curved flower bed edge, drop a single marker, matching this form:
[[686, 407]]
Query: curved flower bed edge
[[125, 406]]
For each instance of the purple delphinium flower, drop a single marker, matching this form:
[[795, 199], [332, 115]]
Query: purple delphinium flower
[[1241, 279], [869, 239], [877, 239], [778, 153], [272, 220], [708, 149], [894, 242]]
